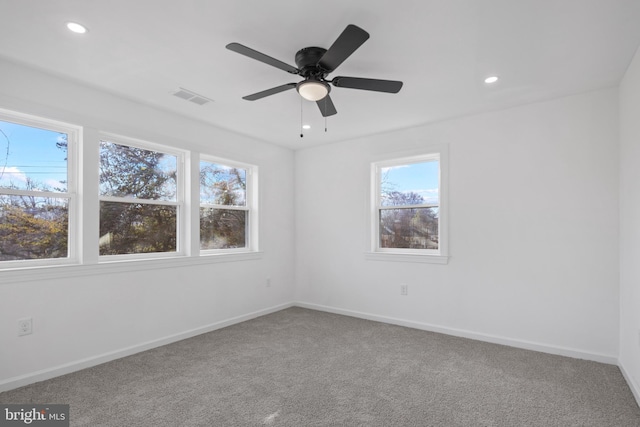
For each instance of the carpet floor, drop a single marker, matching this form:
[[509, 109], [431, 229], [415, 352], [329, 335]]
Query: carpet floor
[[300, 367]]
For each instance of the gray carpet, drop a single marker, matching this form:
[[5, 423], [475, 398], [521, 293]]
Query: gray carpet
[[301, 368]]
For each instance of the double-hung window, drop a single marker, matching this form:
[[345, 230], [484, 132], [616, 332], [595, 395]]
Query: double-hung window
[[408, 207], [141, 200], [143, 209], [228, 208], [38, 200]]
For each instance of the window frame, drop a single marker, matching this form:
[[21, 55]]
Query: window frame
[[251, 206], [376, 252], [74, 136], [179, 203]]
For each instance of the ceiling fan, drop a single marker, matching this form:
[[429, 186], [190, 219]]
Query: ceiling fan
[[314, 64]]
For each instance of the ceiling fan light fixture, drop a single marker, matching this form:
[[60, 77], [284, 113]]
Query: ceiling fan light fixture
[[312, 90]]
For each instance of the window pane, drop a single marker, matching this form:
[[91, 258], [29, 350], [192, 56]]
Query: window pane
[[137, 173], [223, 228], [133, 228], [411, 184], [33, 227], [32, 158], [222, 185], [409, 228]]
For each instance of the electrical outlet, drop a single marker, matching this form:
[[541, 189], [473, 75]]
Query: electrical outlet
[[404, 289], [268, 282], [25, 326]]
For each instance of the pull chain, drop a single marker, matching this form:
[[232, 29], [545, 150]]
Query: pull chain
[[301, 121], [302, 117], [325, 113]]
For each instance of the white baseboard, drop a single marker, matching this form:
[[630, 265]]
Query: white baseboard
[[635, 389], [45, 374], [528, 345]]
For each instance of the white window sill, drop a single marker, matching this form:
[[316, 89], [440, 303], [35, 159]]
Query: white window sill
[[118, 266], [405, 257]]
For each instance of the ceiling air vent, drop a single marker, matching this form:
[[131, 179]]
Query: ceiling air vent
[[192, 96]]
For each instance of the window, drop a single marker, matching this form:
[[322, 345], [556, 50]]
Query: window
[[227, 209], [140, 211], [407, 206], [37, 191], [140, 198]]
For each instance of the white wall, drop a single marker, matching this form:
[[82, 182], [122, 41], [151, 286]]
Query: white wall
[[84, 315], [533, 229], [630, 225]]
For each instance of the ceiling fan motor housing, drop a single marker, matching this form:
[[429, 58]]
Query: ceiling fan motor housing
[[307, 61]]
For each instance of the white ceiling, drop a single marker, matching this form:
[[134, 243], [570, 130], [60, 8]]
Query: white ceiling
[[441, 49]]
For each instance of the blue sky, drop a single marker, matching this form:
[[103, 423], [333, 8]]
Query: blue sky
[[27, 152], [420, 178]]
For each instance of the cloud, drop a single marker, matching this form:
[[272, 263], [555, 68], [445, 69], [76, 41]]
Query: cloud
[[54, 183], [12, 175], [387, 169]]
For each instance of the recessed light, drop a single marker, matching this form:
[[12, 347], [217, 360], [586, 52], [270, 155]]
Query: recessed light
[[491, 79], [306, 126], [76, 28]]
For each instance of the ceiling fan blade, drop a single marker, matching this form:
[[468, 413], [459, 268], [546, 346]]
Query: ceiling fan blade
[[326, 106], [268, 92], [258, 56], [351, 39], [390, 86]]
